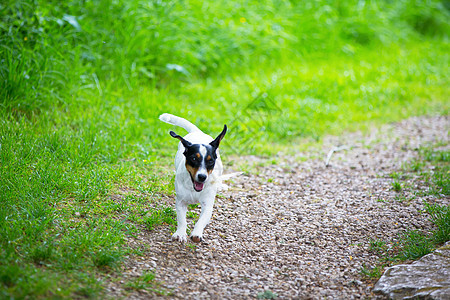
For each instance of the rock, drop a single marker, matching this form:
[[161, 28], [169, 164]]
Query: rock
[[427, 278]]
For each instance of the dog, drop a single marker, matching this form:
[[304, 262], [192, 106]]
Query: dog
[[198, 176]]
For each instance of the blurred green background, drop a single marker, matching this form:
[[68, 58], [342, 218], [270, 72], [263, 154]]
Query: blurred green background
[[83, 82]]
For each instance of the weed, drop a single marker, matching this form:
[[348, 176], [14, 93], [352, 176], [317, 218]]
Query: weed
[[396, 186], [430, 155], [413, 244], [147, 282], [436, 178], [397, 175], [372, 272], [441, 181], [377, 246], [415, 165], [173, 228], [192, 246], [192, 215], [405, 199], [144, 281]]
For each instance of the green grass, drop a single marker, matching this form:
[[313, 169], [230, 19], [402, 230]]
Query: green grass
[[84, 160], [436, 179], [161, 216], [440, 216], [377, 246], [440, 179], [142, 282], [411, 244], [396, 186], [414, 244], [372, 272], [147, 282], [431, 170]]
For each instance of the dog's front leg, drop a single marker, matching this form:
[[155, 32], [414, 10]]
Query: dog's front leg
[[180, 234], [205, 217]]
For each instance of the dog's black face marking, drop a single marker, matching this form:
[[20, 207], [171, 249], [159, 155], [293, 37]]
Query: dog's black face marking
[[193, 155], [199, 163], [200, 158], [199, 155], [210, 162]]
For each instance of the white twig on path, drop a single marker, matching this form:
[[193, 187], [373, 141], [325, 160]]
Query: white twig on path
[[335, 149]]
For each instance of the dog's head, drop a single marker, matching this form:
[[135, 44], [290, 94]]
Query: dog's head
[[200, 158]]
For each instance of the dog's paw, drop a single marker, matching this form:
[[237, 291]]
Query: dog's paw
[[196, 238], [179, 237]]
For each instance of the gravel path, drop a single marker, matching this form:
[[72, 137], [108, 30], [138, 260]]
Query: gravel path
[[296, 228]]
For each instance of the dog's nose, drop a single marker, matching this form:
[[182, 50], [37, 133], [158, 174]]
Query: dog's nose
[[201, 177]]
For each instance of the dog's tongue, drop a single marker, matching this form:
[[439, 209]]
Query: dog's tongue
[[198, 186]]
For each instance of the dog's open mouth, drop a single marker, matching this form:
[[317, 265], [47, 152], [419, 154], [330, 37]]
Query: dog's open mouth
[[198, 186]]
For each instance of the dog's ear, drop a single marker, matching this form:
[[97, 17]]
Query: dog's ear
[[216, 142], [185, 143]]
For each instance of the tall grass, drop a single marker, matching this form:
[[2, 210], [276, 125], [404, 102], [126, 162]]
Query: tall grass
[[82, 44], [82, 84]]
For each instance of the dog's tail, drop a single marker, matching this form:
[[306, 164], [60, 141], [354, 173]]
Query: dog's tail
[[231, 175], [223, 186], [177, 121]]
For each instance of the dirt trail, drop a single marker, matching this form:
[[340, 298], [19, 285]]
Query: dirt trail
[[297, 229]]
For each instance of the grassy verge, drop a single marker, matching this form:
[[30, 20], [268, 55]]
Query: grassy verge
[[84, 160], [425, 176]]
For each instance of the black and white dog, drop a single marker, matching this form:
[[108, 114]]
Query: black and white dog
[[198, 174]]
